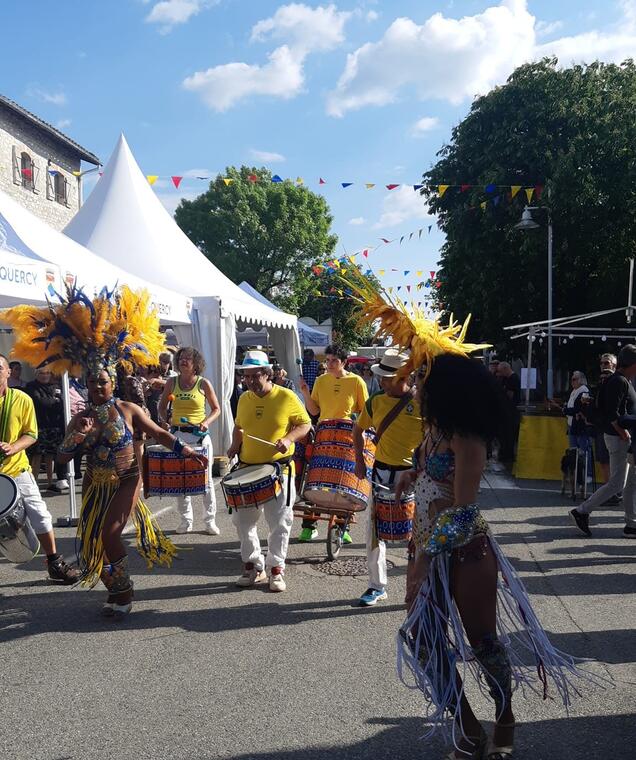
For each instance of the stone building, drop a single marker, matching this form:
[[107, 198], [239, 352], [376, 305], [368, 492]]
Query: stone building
[[40, 167]]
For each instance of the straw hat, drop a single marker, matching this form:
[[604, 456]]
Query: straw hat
[[390, 364]]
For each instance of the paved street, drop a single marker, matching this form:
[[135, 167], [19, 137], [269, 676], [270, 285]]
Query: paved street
[[204, 670]]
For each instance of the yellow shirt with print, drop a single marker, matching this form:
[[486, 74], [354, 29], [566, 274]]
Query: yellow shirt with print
[[269, 417], [339, 397], [17, 418], [401, 437]]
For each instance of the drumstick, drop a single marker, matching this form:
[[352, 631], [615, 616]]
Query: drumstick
[[260, 440], [380, 485]]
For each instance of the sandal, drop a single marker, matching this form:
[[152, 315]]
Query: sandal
[[495, 752], [480, 743]]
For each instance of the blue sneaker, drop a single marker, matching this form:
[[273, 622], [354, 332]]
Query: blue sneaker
[[372, 596]]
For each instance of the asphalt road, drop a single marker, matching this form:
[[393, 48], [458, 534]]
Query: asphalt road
[[204, 670]]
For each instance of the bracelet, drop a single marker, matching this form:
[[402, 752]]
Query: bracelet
[[178, 446], [70, 444]]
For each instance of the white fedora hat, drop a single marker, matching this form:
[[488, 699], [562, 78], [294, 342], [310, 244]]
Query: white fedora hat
[[390, 364], [254, 359]]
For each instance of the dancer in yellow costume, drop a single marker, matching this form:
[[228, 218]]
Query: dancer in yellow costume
[[94, 337]]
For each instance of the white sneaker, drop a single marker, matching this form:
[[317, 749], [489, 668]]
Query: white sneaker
[[212, 529], [251, 575], [61, 485], [277, 580], [184, 527]]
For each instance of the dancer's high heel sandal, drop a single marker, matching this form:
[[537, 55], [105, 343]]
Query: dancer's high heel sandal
[[480, 743], [500, 753]]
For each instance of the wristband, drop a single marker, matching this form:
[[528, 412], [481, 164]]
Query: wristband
[[178, 446]]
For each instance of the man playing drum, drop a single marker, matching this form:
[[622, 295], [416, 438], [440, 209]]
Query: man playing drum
[[18, 431], [269, 420], [396, 418], [336, 395]]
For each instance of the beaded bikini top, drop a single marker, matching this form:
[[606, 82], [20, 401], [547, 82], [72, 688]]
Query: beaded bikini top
[[113, 437]]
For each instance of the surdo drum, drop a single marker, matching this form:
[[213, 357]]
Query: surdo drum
[[168, 474], [393, 520], [18, 542], [252, 486]]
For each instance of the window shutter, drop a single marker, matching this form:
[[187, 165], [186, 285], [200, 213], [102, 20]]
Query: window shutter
[[17, 169], [66, 193], [50, 191], [35, 173]]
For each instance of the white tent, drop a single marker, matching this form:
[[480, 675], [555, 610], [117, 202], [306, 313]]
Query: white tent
[[124, 222]]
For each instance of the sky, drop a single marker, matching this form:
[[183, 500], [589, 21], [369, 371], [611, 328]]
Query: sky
[[358, 91]]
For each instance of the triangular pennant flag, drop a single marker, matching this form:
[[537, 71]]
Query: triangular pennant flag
[[417, 187], [300, 181], [393, 269], [441, 189], [203, 178], [101, 174], [365, 254], [344, 271], [432, 273], [399, 287], [381, 271], [419, 286], [419, 273], [277, 178], [369, 185], [390, 290], [152, 178], [401, 239], [529, 193], [463, 188], [228, 181], [491, 188], [176, 181], [514, 189], [410, 235], [352, 259], [321, 181], [252, 177], [53, 172], [391, 187], [419, 233], [408, 287], [419, 303], [483, 205], [538, 191], [385, 241], [368, 272], [76, 173], [406, 271], [346, 184], [430, 227]]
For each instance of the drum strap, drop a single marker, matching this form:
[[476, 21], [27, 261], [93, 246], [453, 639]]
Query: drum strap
[[393, 413], [4, 418]]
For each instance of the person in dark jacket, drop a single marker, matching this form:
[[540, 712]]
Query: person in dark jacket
[[49, 412]]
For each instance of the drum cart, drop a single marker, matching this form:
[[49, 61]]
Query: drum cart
[[338, 521]]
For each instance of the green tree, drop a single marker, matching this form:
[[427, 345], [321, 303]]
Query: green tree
[[267, 233], [573, 132]]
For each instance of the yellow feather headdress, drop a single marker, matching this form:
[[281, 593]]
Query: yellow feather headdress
[[82, 335], [422, 337]]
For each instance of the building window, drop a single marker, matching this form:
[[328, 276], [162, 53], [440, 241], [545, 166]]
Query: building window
[[27, 171], [60, 186]]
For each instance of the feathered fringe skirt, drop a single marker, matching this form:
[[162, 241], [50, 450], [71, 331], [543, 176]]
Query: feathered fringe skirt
[[433, 647], [152, 544]]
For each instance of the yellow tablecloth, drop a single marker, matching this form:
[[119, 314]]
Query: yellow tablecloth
[[542, 441]]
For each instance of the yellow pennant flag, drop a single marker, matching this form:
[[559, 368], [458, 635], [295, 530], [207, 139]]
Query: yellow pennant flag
[[369, 185], [418, 273], [441, 189], [390, 290], [352, 259], [76, 173], [152, 178], [300, 181], [529, 193], [483, 205], [381, 271], [228, 181], [514, 189]]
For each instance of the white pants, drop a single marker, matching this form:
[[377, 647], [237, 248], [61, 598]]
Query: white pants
[[184, 503], [376, 556], [279, 514], [36, 510]]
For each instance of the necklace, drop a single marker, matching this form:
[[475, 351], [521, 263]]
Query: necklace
[[102, 412]]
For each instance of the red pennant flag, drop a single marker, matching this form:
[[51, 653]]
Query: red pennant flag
[[408, 287], [322, 181], [538, 191], [391, 187], [463, 188], [176, 181], [438, 284], [432, 275], [365, 254], [252, 177]]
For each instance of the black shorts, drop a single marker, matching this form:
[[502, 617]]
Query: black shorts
[[47, 443]]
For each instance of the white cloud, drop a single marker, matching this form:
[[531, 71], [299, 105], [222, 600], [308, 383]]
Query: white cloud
[[223, 86], [357, 221], [372, 16], [266, 156], [169, 13], [400, 205], [545, 28], [423, 125], [304, 29], [63, 123], [194, 173], [54, 98], [454, 59]]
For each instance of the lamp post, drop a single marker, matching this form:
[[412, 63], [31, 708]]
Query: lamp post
[[528, 223]]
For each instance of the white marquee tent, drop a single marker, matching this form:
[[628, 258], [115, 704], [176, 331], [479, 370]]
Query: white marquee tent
[[124, 222]]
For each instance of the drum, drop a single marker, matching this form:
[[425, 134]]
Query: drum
[[302, 455], [168, 474], [330, 481], [393, 521], [18, 542], [252, 486]]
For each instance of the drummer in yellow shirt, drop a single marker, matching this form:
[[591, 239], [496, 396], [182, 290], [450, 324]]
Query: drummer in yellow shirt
[[336, 395]]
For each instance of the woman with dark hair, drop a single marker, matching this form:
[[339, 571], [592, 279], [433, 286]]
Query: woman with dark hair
[[461, 619], [189, 393]]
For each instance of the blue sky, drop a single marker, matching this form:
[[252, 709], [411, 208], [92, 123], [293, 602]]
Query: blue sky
[[348, 91]]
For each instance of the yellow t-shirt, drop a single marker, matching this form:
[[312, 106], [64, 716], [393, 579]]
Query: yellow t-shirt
[[401, 437], [188, 407], [17, 418], [270, 418], [339, 397]]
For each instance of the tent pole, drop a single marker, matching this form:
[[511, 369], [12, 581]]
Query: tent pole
[[629, 310], [530, 338]]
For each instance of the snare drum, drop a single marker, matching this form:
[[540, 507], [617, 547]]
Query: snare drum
[[252, 486], [302, 455], [330, 480], [18, 542], [168, 474], [393, 521]]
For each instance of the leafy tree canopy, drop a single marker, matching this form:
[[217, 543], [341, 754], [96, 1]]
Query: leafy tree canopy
[[572, 131]]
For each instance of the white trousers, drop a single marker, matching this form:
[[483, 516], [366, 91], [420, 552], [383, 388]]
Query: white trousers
[[376, 555], [184, 503], [36, 509], [279, 515]]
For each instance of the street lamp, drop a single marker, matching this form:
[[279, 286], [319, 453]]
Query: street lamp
[[528, 223]]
